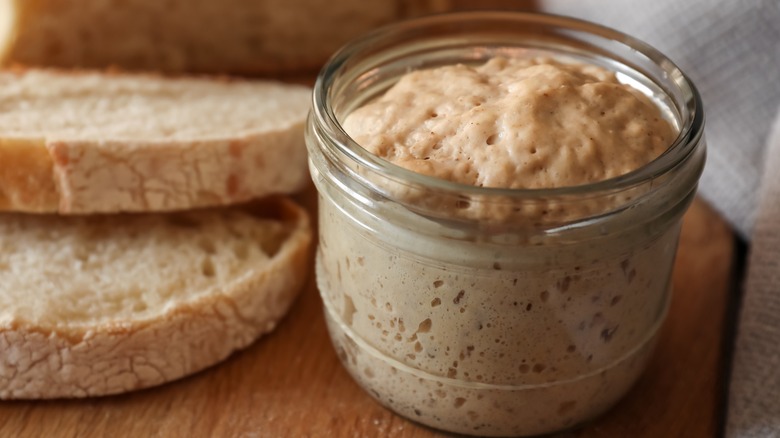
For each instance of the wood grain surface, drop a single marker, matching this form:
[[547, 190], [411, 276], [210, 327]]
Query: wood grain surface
[[290, 383]]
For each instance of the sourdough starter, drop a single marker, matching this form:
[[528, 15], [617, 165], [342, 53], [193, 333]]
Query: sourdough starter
[[478, 336]]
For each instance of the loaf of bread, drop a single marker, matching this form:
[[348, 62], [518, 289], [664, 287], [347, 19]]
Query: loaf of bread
[[104, 143], [225, 36], [98, 305]]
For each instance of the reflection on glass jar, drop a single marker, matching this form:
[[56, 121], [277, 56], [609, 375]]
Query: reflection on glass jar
[[469, 309]]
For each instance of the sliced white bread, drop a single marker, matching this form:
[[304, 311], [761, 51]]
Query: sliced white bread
[[104, 143], [215, 36], [100, 305]]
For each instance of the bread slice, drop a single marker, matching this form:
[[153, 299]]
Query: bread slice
[[100, 305], [99, 143], [225, 36]]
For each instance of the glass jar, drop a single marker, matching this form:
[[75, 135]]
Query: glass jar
[[493, 311]]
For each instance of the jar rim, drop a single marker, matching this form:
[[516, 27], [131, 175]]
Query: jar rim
[[690, 132]]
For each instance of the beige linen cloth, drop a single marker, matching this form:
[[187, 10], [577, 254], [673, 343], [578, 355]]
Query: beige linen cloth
[[731, 50]]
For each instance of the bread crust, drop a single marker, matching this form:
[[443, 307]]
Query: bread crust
[[39, 362], [26, 178], [112, 176]]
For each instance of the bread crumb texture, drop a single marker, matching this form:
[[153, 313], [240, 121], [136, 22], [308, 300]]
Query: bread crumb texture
[[120, 142], [513, 123], [106, 304]]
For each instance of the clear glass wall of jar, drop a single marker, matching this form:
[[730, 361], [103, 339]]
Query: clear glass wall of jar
[[493, 311]]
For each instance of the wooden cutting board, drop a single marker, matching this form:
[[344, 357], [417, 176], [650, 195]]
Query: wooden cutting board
[[290, 383]]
